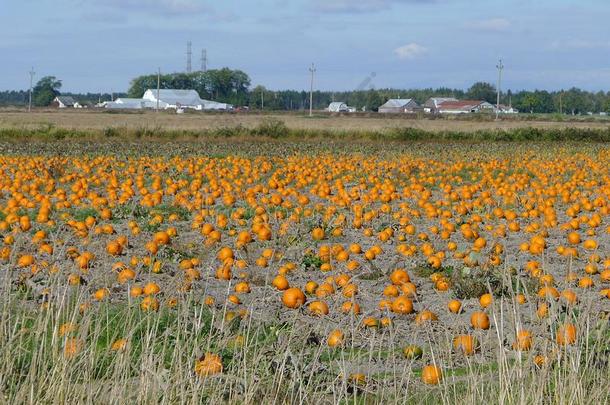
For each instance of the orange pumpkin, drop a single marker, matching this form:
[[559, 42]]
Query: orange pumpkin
[[566, 334], [431, 374], [402, 305], [479, 320], [209, 364], [293, 298], [466, 344]]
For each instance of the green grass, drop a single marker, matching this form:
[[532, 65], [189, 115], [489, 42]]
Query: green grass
[[273, 128]]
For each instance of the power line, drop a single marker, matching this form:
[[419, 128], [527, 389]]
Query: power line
[[32, 73], [312, 70]]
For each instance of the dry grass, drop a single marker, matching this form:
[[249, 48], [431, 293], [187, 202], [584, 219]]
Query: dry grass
[[272, 354], [270, 362], [99, 120]]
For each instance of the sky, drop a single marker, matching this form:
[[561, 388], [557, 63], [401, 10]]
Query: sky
[[100, 45]]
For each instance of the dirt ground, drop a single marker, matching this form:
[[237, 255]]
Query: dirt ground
[[454, 164], [98, 120]]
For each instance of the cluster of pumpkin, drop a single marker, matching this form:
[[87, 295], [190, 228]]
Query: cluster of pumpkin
[[347, 215]]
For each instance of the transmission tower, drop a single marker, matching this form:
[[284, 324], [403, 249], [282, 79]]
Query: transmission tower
[[204, 60], [189, 55]]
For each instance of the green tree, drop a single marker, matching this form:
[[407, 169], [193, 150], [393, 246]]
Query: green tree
[[259, 98], [373, 100], [576, 101], [45, 91], [482, 91], [224, 85], [534, 102]]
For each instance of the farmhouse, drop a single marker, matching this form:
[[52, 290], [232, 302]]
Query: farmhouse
[[65, 102], [399, 105], [431, 105], [464, 107]]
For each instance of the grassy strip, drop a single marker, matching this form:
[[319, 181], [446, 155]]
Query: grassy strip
[[277, 129]]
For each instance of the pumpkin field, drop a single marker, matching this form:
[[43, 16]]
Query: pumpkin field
[[286, 271]]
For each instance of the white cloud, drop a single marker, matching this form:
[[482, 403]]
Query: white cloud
[[580, 44], [410, 51], [159, 6], [491, 25], [360, 6]]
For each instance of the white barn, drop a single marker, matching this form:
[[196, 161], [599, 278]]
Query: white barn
[[129, 104], [170, 98], [338, 106], [173, 98]]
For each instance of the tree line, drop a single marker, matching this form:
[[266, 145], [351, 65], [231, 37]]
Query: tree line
[[571, 101], [234, 87], [45, 91]]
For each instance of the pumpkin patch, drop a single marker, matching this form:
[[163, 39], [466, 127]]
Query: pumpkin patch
[[319, 264]]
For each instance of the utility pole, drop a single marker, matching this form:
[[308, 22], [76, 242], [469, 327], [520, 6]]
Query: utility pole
[[32, 73], [312, 70], [188, 57], [158, 87], [561, 103], [500, 67], [262, 98]]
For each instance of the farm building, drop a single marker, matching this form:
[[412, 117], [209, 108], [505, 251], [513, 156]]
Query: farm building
[[337, 106], [172, 98], [464, 107], [216, 106], [340, 106], [431, 105], [399, 105], [65, 102], [129, 104], [168, 98], [508, 109]]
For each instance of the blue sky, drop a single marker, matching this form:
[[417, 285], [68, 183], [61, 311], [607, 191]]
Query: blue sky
[[99, 45]]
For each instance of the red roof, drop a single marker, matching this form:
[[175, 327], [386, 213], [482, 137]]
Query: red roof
[[459, 105]]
